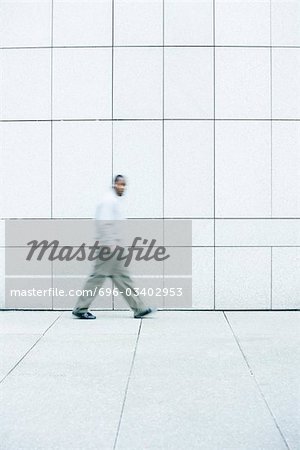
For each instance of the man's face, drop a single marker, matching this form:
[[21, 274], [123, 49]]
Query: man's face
[[120, 187]]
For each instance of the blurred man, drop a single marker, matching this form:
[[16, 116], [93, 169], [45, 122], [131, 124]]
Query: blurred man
[[108, 213]]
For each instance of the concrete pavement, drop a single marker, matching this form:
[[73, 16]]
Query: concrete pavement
[[179, 380]]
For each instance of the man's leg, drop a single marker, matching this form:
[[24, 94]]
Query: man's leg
[[91, 288], [125, 285]]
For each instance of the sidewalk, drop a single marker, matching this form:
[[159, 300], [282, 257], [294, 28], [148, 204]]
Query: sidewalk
[[179, 380]]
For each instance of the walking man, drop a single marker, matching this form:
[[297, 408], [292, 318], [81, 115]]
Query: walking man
[[108, 212]]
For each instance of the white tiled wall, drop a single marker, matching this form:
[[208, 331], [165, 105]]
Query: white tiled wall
[[80, 150], [25, 88], [244, 22], [188, 76], [243, 278], [25, 23], [243, 168], [242, 83], [196, 101], [285, 86], [81, 83], [188, 168], [25, 161], [138, 153], [286, 168], [285, 22], [285, 272], [82, 23], [2, 277], [137, 83], [188, 22], [138, 22]]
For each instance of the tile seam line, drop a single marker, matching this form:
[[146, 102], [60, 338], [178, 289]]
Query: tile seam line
[[51, 112], [214, 150], [71, 47], [271, 278], [255, 381], [268, 310], [271, 111], [56, 121], [112, 107], [77, 246], [178, 119], [153, 218], [163, 136], [127, 386], [31, 348]]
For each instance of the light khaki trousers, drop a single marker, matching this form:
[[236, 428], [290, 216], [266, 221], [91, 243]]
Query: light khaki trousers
[[119, 273]]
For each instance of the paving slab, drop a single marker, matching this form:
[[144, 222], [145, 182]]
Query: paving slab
[[13, 347], [193, 390], [26, 322], [178, 380], [59, 412], [271, 344], [19, 331], [68, 391], [107, 322]]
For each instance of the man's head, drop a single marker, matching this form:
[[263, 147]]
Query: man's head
[[119, 185]]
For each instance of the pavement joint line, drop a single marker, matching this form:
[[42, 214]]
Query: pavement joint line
[[127, 385], [255, 381], [29, 350]]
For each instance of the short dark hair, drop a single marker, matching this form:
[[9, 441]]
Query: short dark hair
[[118, 177]]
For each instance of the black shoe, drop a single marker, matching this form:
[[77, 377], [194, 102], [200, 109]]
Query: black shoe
[[144, 313], [83, 315]]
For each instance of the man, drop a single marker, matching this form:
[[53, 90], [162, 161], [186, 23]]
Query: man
[[108, 212]]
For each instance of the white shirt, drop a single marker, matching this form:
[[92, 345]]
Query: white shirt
[[108, 212]]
